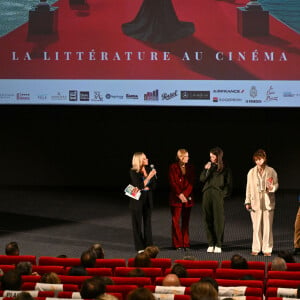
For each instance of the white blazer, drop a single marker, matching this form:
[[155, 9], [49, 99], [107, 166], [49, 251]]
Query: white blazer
[[252, 189]]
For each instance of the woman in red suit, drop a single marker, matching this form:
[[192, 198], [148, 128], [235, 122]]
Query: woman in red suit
[[181, 179]]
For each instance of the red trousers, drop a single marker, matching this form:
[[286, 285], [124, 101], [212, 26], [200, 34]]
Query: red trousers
[[180, 228]]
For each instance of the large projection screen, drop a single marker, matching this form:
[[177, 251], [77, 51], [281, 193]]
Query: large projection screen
[[88, 59]]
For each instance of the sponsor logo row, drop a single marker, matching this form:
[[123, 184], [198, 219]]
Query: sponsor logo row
[[216, 95]]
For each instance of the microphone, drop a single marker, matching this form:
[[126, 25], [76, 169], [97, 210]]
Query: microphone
[[152, 167]]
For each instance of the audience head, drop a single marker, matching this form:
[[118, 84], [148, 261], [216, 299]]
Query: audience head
[[77, 271], [287, 256], [51, 277], [203, 291], [98, 250], [140, 294], [88, 259], [212, 281], [278, 264], [179, 270], [12, 248], [92, 288], [11, 280], [238, 262], [248, 277], [142, 260], [24, 296], [137, 272], [62, 256], [24, 268], [298, 292], [171, 280], [152, 251], [107, 280]]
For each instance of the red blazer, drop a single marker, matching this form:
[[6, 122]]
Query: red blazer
[[180, 183]]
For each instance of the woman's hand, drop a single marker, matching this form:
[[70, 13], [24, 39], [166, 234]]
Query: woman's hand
[[182, 198]]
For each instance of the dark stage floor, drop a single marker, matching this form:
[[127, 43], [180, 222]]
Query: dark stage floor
[[67, 221]]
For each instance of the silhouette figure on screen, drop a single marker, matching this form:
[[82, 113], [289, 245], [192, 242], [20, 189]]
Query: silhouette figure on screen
[[157, 22]]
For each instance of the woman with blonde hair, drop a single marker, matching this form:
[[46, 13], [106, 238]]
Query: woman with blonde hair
[[181, 198], [143, 177]]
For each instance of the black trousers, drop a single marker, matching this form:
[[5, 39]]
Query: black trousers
[[141, 212]]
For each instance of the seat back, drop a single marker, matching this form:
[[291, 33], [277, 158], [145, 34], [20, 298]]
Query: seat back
[[198, 264], [162, 263], [239, 274], [195, 272], [58, 261], [256, 265], [14, 259]]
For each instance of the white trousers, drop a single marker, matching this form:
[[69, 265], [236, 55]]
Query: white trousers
[[262, 222]]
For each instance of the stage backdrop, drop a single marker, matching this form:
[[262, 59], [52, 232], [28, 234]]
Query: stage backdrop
[[88, 60]]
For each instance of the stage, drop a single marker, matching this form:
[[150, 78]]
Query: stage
[[50, 222]]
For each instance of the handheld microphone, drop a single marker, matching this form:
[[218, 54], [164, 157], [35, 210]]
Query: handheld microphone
[[152, 167]]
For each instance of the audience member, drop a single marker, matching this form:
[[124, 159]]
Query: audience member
[[77, 271], [287, 256], [179, 270], [88, 259], [212, 281], [142, 260], [92, 288], [98, 250], [107, 280], [140, 294], [171, 280], [24, 296], [11, 280], [25, 268], [62, 256], [12, 248], [278, 264], [238, 262], [298, 292], [203, 291], [152, 251], [137, 272], [51, 277]]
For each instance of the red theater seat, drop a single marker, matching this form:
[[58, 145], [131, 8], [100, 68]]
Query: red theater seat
[[14, 259], [149, 272], [239, 274], [94, 271], [120, 288], [283, 283], [31, 278], [34, 293], [140, 281], [198, 264], [73, 279], [281, 292], [6, 268], [235, 282], [290, 266], [256, 265], [183, 281], [287, 275], [47, 269], [155, 262], [57, 261], [110, 263], [66, 287], [195, 272]]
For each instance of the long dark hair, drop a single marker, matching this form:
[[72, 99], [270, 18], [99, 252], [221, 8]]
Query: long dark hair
[[218, 152]]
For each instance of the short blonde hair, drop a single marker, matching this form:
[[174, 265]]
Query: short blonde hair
[[137, 161], [180, 153], [278, 264], [203, 291]]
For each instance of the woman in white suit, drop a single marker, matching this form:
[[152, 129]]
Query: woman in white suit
[[262, 182]]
